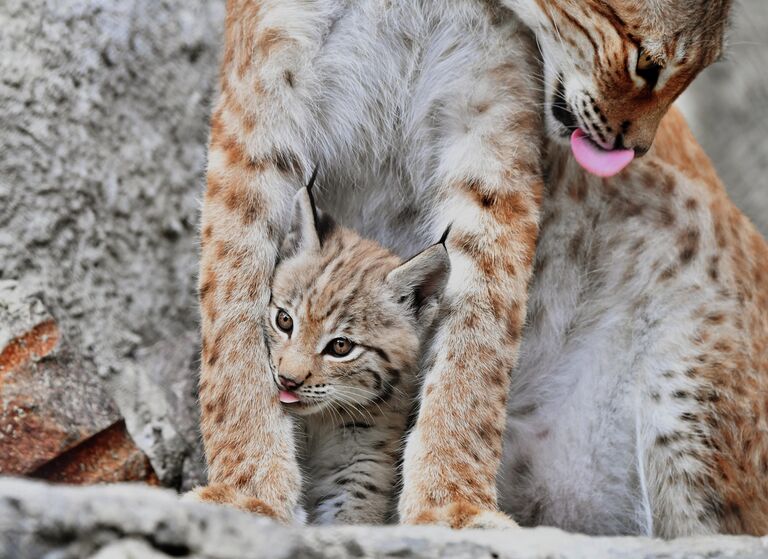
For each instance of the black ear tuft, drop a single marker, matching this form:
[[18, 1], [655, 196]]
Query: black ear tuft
[[422, 279], [324, 224], [312, 179], [310, 186], [444, 238], [309, 226]]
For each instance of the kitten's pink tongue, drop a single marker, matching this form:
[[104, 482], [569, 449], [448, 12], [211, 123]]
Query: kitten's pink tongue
[[288, 397], [596, 160]]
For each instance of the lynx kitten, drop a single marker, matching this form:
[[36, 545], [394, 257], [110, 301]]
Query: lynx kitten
[[346, 322]]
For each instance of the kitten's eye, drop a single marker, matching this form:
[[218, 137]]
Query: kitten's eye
[[284, 321], [648, 68], [339, 347]]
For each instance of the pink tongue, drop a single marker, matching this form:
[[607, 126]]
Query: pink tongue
[[598, 161], [288, 397]]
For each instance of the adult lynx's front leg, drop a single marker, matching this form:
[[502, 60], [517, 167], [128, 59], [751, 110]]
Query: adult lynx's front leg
[[491, 187], [255, 166]]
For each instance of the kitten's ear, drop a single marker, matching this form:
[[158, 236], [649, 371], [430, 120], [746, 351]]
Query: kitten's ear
[[421, 280], [308, 225], [302, 235]]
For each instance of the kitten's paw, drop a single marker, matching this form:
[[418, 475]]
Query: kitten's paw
[[227, 495], [464, 516], [300, 516], [257, 506], [214, 493]]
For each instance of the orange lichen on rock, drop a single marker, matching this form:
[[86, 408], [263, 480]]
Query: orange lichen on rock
[[108, 457], [31, 346]]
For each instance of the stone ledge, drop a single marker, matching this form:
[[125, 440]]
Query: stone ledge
[[122, 521]]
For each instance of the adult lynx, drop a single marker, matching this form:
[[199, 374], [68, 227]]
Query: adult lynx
[[422, 114]]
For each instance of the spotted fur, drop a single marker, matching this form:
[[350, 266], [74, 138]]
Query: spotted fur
[[422, 114], [640, 404], [434, 122], [336, 291]]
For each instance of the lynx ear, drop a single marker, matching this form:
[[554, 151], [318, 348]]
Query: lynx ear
[[308, 225], [302, 235], [421, 281]]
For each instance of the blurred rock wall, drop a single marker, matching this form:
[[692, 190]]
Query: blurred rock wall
[[103, 123], [728, 109]]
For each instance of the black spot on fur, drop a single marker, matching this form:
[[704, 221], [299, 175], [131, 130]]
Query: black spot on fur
[[356, 425], [372, 488]]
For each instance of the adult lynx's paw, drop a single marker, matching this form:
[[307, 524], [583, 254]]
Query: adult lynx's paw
[[464, 516], [226, 495]]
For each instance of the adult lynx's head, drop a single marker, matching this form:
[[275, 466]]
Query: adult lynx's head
[[347, 318], [613, 67]]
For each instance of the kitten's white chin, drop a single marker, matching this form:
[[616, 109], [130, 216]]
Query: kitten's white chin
[[303, 409]]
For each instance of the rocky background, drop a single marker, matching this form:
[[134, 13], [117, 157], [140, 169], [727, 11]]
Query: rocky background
[[103, 123], [728, 110]]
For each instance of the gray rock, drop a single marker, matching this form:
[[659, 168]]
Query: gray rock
[[157, 394], [125, 521], [21, 310], [103, 124], [728, 109]]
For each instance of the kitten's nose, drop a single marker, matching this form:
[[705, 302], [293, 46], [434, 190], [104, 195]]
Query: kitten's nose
[[289, 383]]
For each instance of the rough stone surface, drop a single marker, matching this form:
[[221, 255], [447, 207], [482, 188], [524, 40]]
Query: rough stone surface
[[728, 108], [27, 329], [162, 408], [125, 521], [108, 457], [103, 122]]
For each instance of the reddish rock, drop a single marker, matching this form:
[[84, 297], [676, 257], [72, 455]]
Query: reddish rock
[[30, 347], [107, 457], [49, 401]]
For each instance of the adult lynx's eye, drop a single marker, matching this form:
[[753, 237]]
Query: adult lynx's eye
[[648, 68], [284, 321], [339, 347]]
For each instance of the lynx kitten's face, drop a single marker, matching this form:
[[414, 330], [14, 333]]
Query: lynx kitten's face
[[346, 316]]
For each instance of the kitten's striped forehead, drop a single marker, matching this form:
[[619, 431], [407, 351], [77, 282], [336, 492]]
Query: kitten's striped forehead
[[337, 287]]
